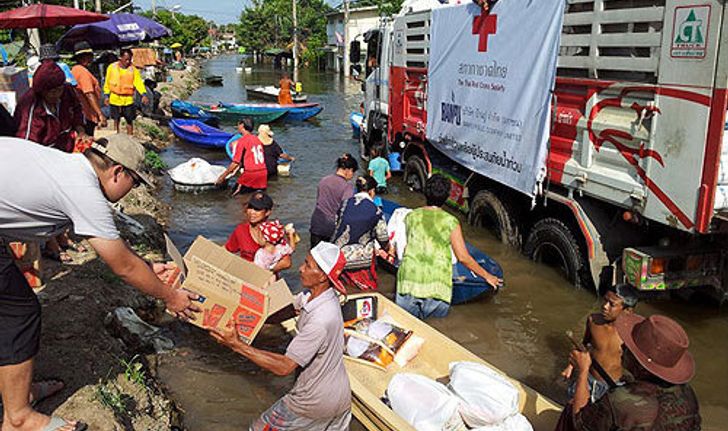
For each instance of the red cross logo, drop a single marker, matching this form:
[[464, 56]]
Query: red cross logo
[[484, 26]]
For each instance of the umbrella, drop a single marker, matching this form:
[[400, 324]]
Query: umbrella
[[120, 29], [46, 15], [176, 45]]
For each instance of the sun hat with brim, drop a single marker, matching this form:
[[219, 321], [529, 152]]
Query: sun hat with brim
[[331, 261], [659, 344], [265, 134], [125, 151]]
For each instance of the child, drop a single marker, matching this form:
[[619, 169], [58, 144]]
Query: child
[[276, 247], [379, 169]]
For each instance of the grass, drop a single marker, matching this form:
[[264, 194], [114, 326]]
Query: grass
[[154, 132], [153, 161], [134, 371]]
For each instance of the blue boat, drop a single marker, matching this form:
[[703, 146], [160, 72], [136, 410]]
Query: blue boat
[[466, 286], [292, 112], [182, 109], [198, 133], [356, 119]]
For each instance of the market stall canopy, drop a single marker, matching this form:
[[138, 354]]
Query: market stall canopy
[[46, 15], [121, 29]]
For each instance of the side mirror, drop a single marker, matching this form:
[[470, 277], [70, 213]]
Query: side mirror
[[355, 52]]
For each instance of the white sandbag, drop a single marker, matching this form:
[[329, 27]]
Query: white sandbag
[[487, 396], [397, 231], [196, 171], [424, 403], [517, 422]]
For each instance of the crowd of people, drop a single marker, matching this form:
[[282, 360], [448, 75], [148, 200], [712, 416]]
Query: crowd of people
[[629, 372]]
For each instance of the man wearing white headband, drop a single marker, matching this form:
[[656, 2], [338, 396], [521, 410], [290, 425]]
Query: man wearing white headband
[[321, 397]]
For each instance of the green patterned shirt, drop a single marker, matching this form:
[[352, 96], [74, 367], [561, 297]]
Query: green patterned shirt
[[426, 269]]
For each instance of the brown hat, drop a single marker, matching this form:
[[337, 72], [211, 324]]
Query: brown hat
[[659, 344], [265, 134], [125, 151]]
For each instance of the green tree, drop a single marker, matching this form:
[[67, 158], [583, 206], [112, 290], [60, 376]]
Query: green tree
[[269, 24], [189, 30]]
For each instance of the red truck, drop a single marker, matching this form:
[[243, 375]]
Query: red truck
[[635, 189]]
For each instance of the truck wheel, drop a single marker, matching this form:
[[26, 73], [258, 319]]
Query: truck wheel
[[488, 211], [553, 243], [415, 173]]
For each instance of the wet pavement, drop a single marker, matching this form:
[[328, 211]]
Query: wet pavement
[[521, 330]]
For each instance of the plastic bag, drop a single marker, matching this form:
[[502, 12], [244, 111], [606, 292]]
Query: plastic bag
[[196, 171], [517, 422], [488, 398], [424, 403]]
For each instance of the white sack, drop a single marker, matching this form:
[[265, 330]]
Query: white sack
[[424, 403], [487, 396], [517, 422], [196, 171]]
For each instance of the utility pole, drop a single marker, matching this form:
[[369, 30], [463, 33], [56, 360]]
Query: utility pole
[[75, 4], [154, 7], [98, 6], [295, 43], [347, 63]]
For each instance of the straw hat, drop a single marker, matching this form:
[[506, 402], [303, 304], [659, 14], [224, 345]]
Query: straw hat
[[659, 344], [265, 134]]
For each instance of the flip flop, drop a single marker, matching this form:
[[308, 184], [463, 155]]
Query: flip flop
[[45, 389], [58, 422]]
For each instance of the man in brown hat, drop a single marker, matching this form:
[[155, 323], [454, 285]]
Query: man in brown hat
[[659, 398], [64, 190], [88, 88]]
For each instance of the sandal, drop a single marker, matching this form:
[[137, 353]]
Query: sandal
[[61, 257], [75, 246], [58, 422]]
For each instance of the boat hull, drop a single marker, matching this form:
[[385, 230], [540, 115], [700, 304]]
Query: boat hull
[[293, 112], [368, 384], [265, 93], [207, 136], [228, 115], [182, 109], [466, 286]]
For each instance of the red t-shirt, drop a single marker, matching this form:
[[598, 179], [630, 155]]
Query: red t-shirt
[[249, 151], [242, 242]]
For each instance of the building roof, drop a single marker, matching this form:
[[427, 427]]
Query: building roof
[[340, 10]]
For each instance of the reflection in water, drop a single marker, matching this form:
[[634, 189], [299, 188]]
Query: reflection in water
[[521, 330]]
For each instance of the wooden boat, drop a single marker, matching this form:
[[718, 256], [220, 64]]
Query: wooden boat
[[182, 109], [369, 383], [271, 93], [198, 133], [293, 112], [215, 80], [232, 115], [466, 286], [356, 119]]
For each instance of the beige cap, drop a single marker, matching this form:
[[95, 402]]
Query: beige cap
[[265, 134], [125, 151]]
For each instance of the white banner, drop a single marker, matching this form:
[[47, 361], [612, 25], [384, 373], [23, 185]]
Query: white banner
[[490, 78]]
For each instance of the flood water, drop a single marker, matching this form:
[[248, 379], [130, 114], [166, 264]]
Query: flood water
[[521, 330]]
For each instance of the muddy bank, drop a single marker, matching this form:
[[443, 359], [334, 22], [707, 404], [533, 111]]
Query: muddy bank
[[111, 379]]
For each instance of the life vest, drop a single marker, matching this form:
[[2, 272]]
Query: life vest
[[123, 85]]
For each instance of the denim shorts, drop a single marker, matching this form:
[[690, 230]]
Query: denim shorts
[[597, 389], [280, 418], [423, 308]]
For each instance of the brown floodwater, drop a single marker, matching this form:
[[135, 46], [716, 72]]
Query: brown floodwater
[[521, 330]]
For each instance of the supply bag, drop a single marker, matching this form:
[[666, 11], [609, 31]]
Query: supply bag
[[426, 404], [487, 397]]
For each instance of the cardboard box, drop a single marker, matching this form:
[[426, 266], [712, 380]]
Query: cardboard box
[[230, 288]]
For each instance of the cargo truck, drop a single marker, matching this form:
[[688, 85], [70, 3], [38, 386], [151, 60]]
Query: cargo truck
[[635, 189]]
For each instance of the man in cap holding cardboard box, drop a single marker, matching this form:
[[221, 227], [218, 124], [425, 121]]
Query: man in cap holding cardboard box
[[62, 190], [321, 397]]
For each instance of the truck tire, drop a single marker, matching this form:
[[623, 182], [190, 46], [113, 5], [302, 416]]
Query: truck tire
[[488, 211], [415, 173], [552, 242]]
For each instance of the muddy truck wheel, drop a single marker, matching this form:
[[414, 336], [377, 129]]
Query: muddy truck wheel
[[489, 212], [415, 173], [552, 243]]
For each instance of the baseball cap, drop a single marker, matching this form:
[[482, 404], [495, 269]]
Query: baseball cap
[[331, 261], [260, 201], [125, 151]]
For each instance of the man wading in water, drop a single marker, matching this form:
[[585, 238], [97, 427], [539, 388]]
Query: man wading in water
[[321, 397]]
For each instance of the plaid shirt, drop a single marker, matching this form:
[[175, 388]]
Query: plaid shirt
[[641, 406]]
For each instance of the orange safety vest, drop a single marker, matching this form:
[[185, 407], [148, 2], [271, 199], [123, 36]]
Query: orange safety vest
[[123, 85]]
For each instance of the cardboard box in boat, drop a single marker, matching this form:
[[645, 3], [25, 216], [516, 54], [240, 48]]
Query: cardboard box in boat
[[229, 288]]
